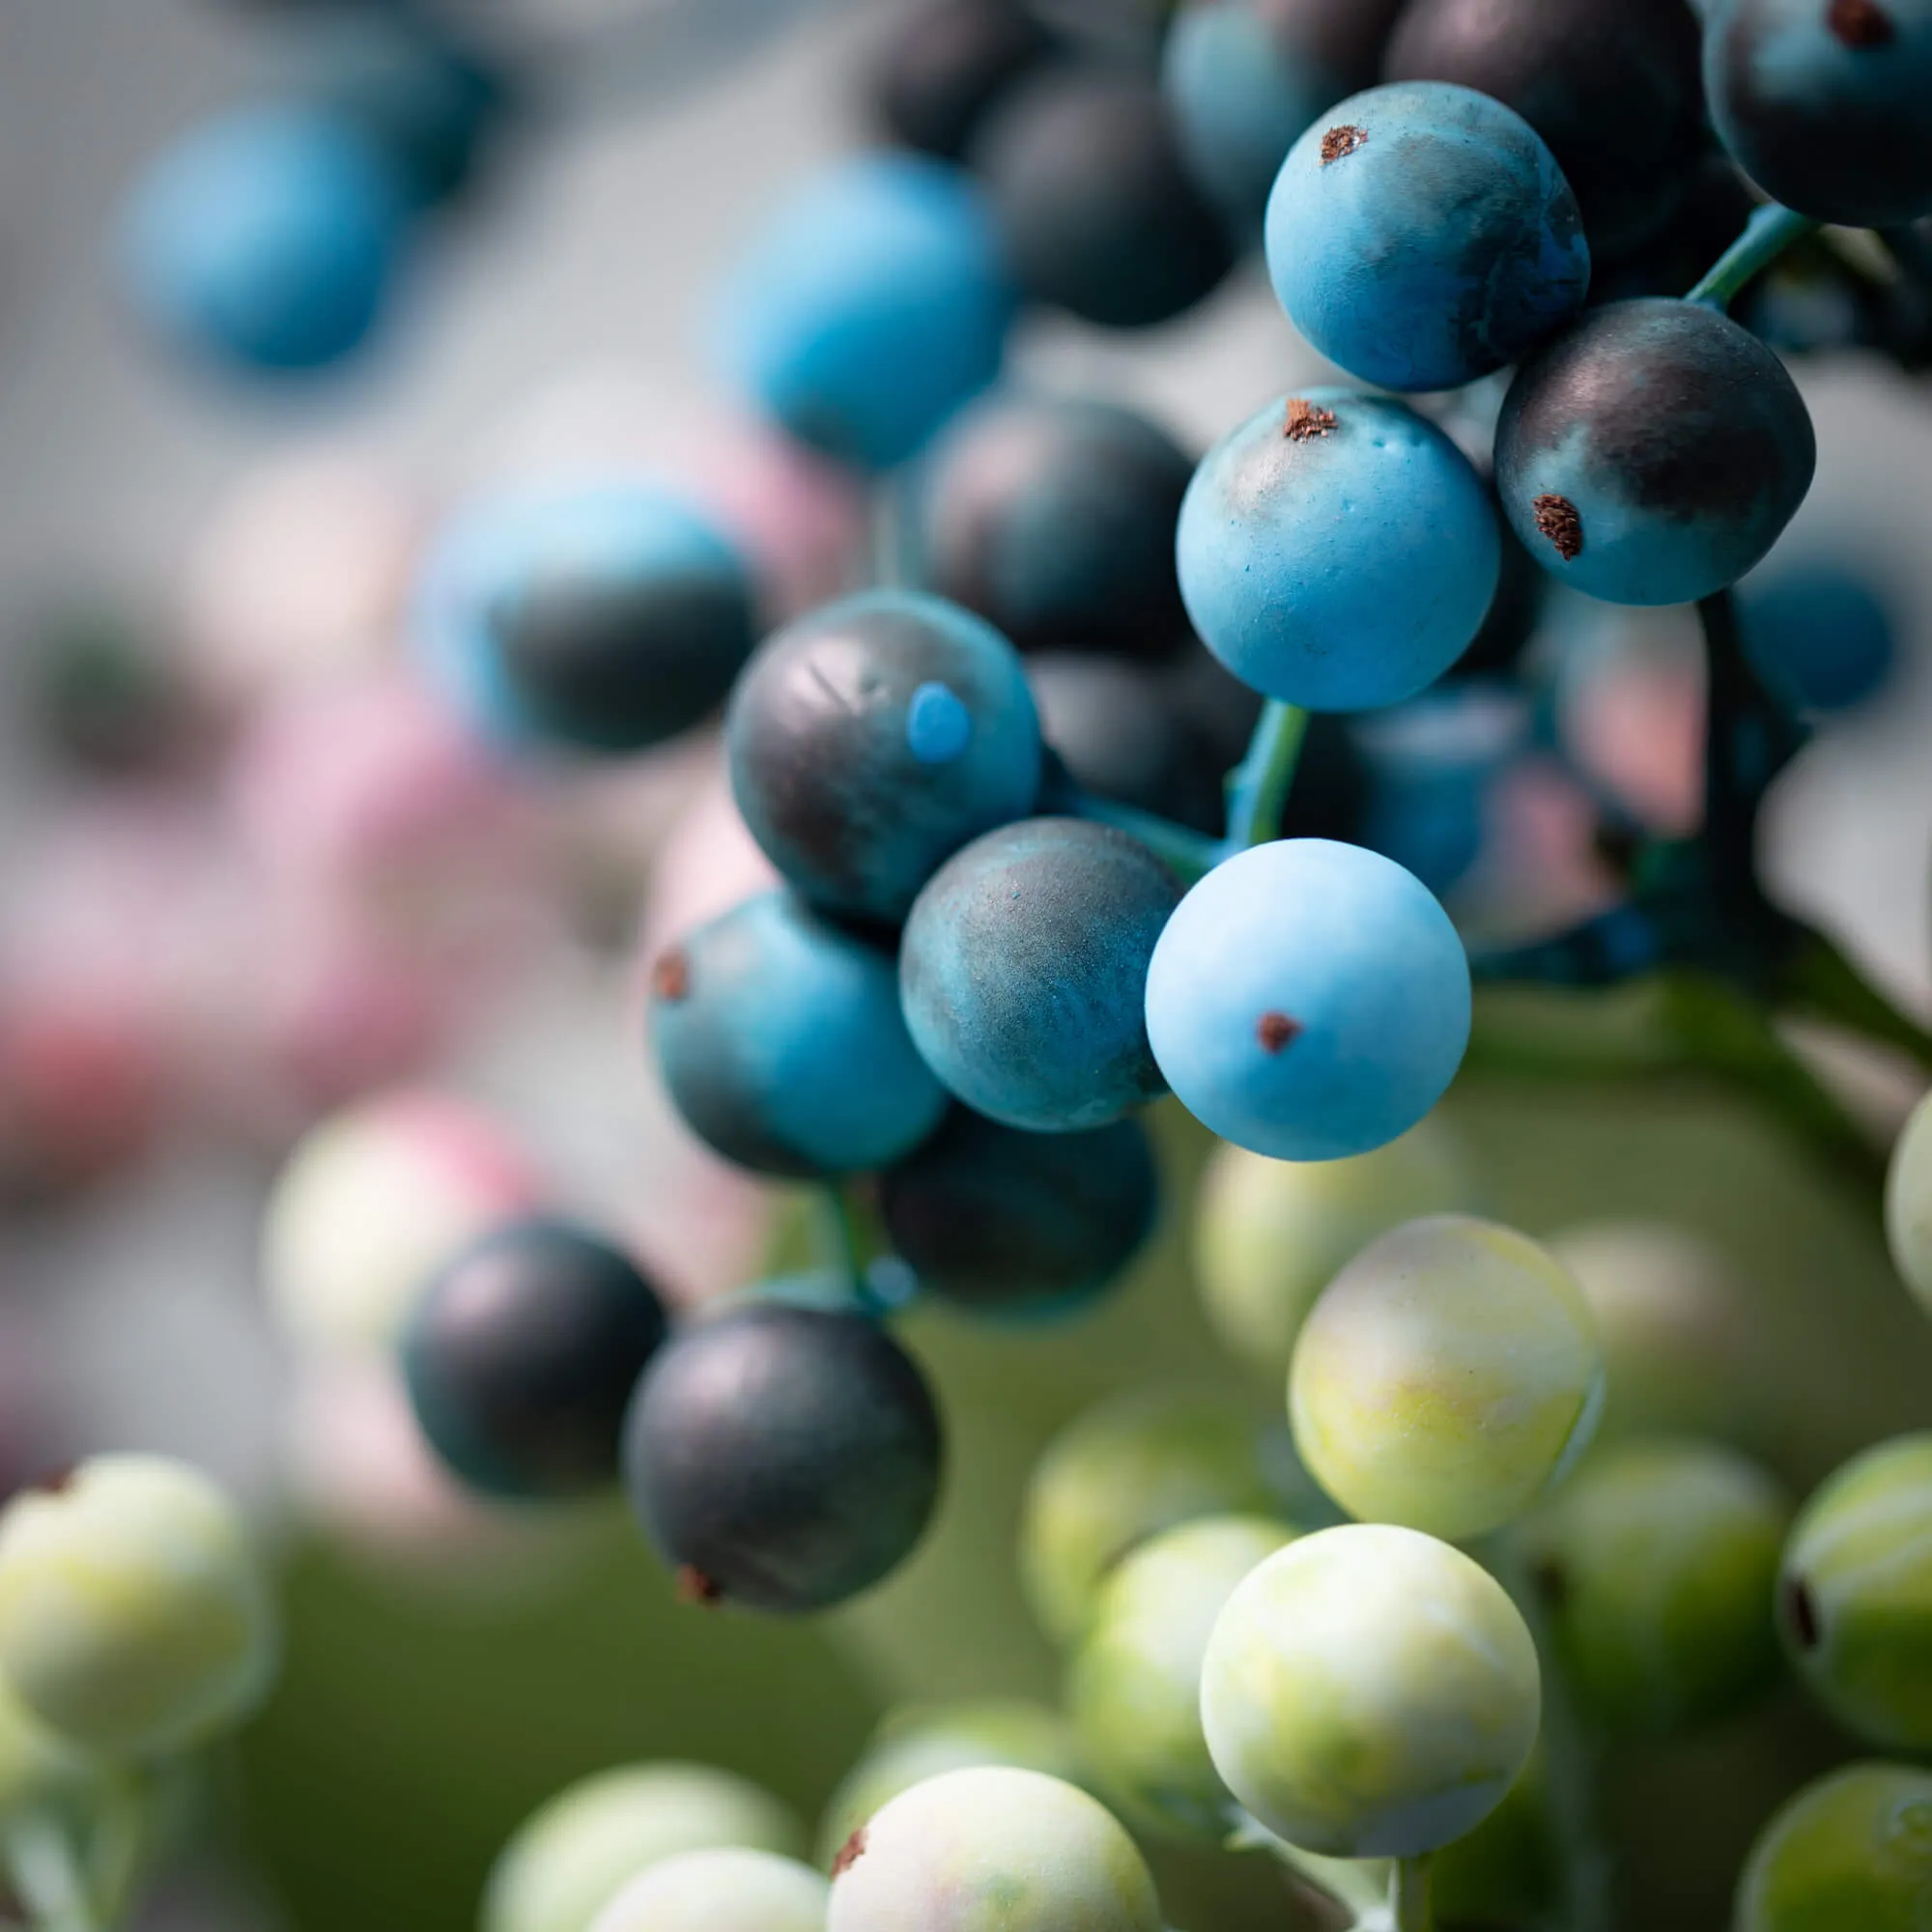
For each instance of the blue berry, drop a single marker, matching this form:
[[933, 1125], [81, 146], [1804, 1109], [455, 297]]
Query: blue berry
[[1096, 209], [1053, 518], [871, 304], [1823, 103], [1244, 77], [1422, 235], [781, 1039], [268, 239], [1823, 637], [1653, 453], [782, 1457], [857, 801], [1337, 552], [1309, 1000], [1006, 1223], [600, 620], [1612, 89], [521, 1357], [1022, 971]]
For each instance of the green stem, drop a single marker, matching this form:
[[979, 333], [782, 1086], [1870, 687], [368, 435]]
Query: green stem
[[1820, 981], [842, 1236], [1183, 851], [1411, 1892], [1359, 1886], [1767, 233], [47, 1875], [1258, 788]]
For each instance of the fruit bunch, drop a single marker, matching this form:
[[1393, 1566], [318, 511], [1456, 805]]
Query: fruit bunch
[[1503, 1519]]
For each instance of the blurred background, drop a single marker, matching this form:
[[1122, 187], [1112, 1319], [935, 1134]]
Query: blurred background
[[254, 874]]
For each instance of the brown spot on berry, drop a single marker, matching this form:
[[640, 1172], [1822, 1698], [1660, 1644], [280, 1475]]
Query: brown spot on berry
[[849, 1853], [56, 1482], [1801, 1613], [1861, 23], [1276, 1031], [1306, 421], [1557, 519], [694, 1587], [670, 975], [1340, 141]]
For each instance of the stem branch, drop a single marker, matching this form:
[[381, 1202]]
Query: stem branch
[[1411, 1893], [1258, 788], [45, 1873], [1770, 230]]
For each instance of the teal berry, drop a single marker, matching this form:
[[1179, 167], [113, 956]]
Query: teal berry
[[914, 1744], [1370, 1693], [1270, 1234], [134, 1617], [1855, 1594], [1656, 1569], [726, 1889], [1134, 1688], [572, 1855], [1448, 1377], [992, 1850], [1134, 1465], [1908, 1204], [1851, 1853]]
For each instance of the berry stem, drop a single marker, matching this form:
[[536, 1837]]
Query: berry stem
[[45, 1874], [1186, 852], [1411, 1893], [1359, 1886], [843, 1237], [1742, 725], [1258, 788], [1822, 983], [1770, 230]]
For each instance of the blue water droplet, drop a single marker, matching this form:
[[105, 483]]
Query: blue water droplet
[[938, 724]]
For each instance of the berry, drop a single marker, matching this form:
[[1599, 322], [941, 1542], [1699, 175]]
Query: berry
[[1337, 552], [1134, 1688], [726, 1889], [574, 1854], [266, 240], [912, 1745], [1095, 208], [1053, 517], [1447, 1377], [1653, 453], [601, 619], [868, 306], [1005, 1223], [779, 1038], [1613, 90], [1822, 636], [870, 741], [1023, 967], [1657, 1566], [1422, 235], [1244, 77], [1370, 1693], [782, 1457], [1822, 102], [1127, 1469], [134, 1617], [522, 1356], [1308, 1000], [992, 1850], [1908, 1203], [947, 63], [1270, 1234], [1855, 1594], [1852, 1849]]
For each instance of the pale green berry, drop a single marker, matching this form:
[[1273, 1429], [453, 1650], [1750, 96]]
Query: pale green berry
[[1852, 1852], [1134, 1465], [135, 1618], [1657, 1568], [571, 1857], [1447, 1377], [1674, 1325], [1270, 1234], [992, 1850], [1908, 1203], [915, 1745], [1854, 1593], [1134, 1688], [1370, 1693], [723, 1889]]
